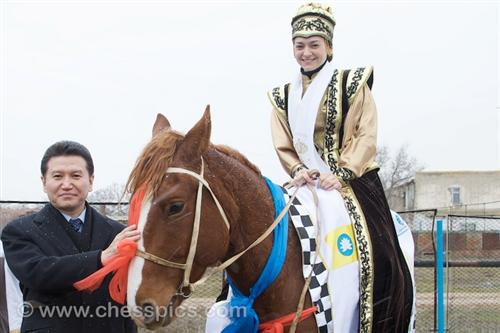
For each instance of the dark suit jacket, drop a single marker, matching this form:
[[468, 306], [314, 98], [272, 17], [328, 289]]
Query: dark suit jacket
[[47, 257]]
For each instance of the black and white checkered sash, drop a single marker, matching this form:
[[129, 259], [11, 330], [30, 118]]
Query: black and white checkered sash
[[318, 288]]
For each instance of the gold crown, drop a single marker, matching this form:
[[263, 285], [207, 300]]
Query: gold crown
[[313, 19]]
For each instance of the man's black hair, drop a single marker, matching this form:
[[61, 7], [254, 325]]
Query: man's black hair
[[67, 148]]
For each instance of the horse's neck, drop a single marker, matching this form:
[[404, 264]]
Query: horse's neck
[[252, 210], [246, 200]]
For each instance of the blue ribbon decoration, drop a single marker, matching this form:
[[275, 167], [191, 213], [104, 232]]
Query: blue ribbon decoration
[[243, 317]]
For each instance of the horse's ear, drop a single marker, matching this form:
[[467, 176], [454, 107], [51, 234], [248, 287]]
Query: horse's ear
[[198, 137], [161, 123]]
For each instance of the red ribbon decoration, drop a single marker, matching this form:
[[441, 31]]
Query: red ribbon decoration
[[278, 325], [119, 263]]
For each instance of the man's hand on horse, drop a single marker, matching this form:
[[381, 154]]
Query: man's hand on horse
[[129, 232]]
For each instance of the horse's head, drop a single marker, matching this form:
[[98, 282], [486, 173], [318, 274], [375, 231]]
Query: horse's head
[[167, 222]]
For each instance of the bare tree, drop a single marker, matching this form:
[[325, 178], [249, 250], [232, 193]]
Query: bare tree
[[9, 212], [111, 194], [396, 169]]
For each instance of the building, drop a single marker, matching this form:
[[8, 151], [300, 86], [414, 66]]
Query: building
[[451, 192]]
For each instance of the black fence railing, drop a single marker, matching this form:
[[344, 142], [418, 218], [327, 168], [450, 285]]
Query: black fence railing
[[472, 268]]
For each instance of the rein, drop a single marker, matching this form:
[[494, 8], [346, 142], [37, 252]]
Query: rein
[[300, 313], [187, 267], [128, 249]]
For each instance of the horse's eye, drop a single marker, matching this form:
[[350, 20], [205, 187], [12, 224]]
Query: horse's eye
[[175, 208]]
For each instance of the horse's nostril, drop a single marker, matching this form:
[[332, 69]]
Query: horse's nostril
[[149, 312]]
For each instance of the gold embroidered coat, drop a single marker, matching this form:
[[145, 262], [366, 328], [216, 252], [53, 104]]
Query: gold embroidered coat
[[357, 153], [345, 136]]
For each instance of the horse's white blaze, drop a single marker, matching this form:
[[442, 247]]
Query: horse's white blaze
[[137, 263]]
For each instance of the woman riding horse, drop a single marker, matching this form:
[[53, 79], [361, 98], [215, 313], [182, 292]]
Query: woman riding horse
[[198, 204], [326, 119]]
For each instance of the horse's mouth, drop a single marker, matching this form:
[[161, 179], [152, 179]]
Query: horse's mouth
[[153, 316], [170, 313]]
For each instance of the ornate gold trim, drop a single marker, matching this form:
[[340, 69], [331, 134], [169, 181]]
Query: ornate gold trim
[[277, 98], [356, 79], [365, 255], [308, 26], [332, 121]]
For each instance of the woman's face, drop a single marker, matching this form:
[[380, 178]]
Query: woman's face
[[310, 52]]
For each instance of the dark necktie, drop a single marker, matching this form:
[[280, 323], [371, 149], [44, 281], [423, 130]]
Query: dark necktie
[[76, 224]]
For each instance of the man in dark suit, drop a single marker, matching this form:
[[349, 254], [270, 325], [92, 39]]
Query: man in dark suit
[[63, 243]]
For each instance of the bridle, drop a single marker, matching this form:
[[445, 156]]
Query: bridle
[[188, 266], [185, 289]]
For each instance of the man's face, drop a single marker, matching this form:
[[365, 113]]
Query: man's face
[[67, 183], [311, 52]]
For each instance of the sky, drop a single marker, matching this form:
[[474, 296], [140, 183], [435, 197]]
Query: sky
[[98, 72]]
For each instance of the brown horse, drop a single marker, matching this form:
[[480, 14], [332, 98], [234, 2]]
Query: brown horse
[[167, 224]]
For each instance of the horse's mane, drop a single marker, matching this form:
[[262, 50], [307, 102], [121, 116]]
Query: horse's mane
[[154, 160]]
